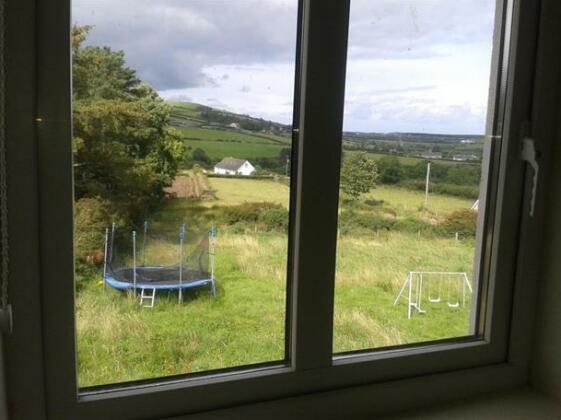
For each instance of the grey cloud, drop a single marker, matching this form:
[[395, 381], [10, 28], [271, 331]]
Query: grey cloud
[[170, 42]]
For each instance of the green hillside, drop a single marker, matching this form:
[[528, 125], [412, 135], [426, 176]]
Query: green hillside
[[223, 134]]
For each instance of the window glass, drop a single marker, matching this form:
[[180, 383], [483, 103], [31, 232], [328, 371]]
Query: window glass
[[413, 143], [182, 119]]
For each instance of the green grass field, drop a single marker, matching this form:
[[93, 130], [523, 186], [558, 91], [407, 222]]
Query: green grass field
[[236, 191], [219, 150], [230, 136], [119, 341]]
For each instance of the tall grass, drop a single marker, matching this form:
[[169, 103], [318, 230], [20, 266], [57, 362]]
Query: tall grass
[[245, 324]]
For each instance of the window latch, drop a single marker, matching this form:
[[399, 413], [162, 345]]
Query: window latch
[[530, 155]]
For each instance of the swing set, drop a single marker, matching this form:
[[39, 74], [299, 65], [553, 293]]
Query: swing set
[[441, 287]]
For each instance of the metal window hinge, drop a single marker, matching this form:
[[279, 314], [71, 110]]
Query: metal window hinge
[[530, 155], [6, 320]]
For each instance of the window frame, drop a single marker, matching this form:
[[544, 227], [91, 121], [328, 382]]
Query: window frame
[[313, 367]]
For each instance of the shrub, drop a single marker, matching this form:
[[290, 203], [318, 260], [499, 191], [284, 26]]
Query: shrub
[[373, 202], [463, 221], [246, 212], [91, 217], [413, 224], [350, 222], [391, 171], [465, 191], [274, 219], [200, 156]]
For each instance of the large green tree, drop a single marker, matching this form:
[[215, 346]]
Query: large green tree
[[359, 174], [390, 170], [124, 150]]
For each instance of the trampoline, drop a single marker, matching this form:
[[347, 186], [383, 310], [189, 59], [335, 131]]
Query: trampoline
[[149, 262]]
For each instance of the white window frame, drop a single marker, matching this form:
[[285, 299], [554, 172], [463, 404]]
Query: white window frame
[[41, 166]]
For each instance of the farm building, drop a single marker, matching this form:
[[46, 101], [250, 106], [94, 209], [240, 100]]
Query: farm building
[[464, 158], [431, 155], [233, 166]]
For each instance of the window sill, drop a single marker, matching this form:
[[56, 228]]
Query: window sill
[[522, 403], [442, 391]]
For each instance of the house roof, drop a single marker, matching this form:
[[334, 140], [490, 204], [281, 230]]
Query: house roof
[[231, 164]]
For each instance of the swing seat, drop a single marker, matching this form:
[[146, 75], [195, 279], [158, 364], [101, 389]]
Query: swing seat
[[454, 305], [434, 300]]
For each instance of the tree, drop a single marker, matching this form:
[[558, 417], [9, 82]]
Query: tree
[[200, 156], [359, 174], [124, 151], [390, 169]]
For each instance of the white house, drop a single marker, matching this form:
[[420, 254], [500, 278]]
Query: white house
[[431, 155], [464, 158], [233, 166]]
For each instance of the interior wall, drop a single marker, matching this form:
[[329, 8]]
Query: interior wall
[[546, 363], [546, 372]]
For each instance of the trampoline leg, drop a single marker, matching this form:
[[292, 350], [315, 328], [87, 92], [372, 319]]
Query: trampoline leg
[[213, 288]]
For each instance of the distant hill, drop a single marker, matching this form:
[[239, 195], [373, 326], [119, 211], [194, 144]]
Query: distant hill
[[186, 114], [222, 134]]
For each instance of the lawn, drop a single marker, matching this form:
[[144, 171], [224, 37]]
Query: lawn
[[236, 191], [231, 136], [217, 150], [119, 341], [408, 201], [231, 191]]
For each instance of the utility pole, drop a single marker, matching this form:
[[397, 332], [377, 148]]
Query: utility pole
[[427, 186]]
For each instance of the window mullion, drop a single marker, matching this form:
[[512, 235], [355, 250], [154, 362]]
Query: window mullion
[[324, 51]]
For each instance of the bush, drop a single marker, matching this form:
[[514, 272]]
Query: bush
[[350, 222], [373, 202], [274, 219], [464, 191], [246, 212], [391, 171], [200, 156], [463, 221], [413, 224], [91, 217]]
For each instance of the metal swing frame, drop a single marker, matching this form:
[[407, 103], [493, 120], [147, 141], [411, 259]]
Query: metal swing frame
[[413, 283]]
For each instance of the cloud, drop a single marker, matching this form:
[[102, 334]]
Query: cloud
[[413, 66], [169, 42], [390, 29]]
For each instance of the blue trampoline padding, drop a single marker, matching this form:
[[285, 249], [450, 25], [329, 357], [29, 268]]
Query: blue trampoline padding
[[124, 285]]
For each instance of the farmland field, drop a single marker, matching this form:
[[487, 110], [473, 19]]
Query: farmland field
[[120, 341], [218, 150]]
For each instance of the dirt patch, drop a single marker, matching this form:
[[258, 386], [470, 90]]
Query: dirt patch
[[194, 187]]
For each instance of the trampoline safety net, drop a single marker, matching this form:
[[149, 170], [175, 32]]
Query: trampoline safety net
[[175, 259]]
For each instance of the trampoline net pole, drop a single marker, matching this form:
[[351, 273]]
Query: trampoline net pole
[[144, 243], [134, 261], [211, 250], [211, 247], [181, 240], [113, 229], [105, 258]]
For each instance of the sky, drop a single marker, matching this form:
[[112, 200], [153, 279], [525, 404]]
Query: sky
[[413, 65]]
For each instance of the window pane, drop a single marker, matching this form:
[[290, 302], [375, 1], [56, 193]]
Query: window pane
[[414, 133], [182, 148]]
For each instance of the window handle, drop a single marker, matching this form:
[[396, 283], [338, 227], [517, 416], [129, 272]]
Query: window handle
[[530, 155]]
